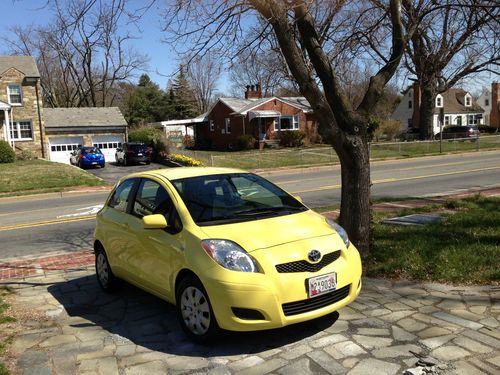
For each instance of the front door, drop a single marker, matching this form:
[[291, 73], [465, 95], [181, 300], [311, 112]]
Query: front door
[[262, 129]]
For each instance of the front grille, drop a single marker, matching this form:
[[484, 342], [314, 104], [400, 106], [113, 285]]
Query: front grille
[[310, 304], [305, 266]]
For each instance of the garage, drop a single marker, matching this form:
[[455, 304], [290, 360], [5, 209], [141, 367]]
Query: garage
[[107, 144], [69, 128], [61, 148]]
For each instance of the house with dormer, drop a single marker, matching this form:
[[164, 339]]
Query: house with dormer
[[265, 119], [21, 117], [456, 106]]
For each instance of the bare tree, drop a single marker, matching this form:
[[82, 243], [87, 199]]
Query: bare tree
[[304, 47], [82, 55], [453, 39], [203, 72]]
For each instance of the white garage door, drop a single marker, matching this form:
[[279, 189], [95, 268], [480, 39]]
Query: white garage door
[[61, 148], [107, 144]]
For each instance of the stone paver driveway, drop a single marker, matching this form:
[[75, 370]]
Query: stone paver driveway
[[393, 328]]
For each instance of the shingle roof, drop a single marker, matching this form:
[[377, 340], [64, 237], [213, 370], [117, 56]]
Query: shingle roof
[[78, 117], [25, 64], [236, 104], [454, 102]]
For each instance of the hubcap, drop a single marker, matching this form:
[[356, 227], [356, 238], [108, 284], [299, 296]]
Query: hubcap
[[195, 310], [102, 269]]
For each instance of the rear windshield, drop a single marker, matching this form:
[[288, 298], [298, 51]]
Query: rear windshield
[[234, 197], [137, 147], [91, 150]]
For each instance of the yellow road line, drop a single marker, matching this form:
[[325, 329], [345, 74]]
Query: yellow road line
[[48, 222], [387, 180]]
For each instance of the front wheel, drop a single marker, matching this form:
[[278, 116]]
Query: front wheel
[[105, 276], [194, 311]]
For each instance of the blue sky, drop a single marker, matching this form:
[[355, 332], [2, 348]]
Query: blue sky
[[162, 62]]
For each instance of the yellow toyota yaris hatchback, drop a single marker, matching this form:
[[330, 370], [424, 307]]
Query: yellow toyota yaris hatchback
[[228, 248]]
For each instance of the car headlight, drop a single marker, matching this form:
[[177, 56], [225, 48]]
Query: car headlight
[[230, 255], [340, 231]]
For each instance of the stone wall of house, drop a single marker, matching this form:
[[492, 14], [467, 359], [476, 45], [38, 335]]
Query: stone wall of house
[[28, 111]]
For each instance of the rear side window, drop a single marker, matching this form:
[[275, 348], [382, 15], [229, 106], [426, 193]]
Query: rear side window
[[119, 200]]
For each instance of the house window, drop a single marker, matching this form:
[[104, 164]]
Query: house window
[[410, 104], [439, 101], [287, 123], [21, 130], [212, 125], [471, 119], [15, 95], [227, 125], [486, 102], [459, 120], [468, 100], [446, 120]]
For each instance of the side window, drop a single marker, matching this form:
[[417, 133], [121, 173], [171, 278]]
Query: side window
[[152, 199], [120, 198]]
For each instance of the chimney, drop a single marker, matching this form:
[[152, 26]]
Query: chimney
[[416, 97], [253, 92], [495, 103]]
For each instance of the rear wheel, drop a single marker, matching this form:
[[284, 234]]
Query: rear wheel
[[105, 276], [194, 310]]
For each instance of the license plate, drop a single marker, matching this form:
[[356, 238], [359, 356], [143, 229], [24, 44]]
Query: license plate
[[139, 154], [94, 162], [322, 284]]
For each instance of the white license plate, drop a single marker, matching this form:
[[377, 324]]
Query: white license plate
[[94, 162], [322, 284], [139, 154]]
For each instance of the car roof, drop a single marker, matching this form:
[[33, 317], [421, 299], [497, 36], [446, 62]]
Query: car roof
[[185, 172]]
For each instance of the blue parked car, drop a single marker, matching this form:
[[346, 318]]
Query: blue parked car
[[86, 157]]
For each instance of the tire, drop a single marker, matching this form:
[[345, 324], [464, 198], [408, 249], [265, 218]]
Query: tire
[[148, 162], [194, 311], [103, 165], [105, 277]]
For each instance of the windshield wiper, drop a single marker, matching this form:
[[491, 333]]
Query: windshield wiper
[[268, 211]]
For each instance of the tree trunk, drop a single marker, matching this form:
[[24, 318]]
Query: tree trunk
[[426, 113], [355, 204]]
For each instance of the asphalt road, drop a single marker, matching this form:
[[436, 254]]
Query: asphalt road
[[64, 222]]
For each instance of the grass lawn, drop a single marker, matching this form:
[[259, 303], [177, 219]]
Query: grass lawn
[[465, 248], [4, 319], [41, 176], [324, 155]]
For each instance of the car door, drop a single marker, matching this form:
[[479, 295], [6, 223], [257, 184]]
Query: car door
[[115, 219], [157, 253]]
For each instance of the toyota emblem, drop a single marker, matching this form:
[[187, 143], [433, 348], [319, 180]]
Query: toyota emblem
[[314, 255]]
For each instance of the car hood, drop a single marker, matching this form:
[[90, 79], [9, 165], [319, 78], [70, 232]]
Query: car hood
[[264, 233]]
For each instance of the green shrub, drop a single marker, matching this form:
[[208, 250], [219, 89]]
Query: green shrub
[[154, 138], [245, 142], [7, 154], [292, 138], [487, 129]]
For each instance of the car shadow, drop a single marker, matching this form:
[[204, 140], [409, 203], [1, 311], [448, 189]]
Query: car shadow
[[132, 315]]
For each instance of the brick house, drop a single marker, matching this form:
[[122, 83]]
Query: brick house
[[457, 105], [262, 118], [51, 133], [21, 113], [490, 101]]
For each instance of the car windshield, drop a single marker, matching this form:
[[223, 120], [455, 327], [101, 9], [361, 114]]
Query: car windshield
[[91, 150], [234, 197]]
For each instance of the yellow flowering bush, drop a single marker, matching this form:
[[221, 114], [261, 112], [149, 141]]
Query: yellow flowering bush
[[185, 160]]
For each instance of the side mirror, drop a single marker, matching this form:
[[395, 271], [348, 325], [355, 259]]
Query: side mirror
[[298, 198], [154, 221]]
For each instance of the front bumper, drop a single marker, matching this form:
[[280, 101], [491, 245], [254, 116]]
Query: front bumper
[[281, 298]]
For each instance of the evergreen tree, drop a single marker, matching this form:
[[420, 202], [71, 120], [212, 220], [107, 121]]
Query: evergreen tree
[[183, 97]]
